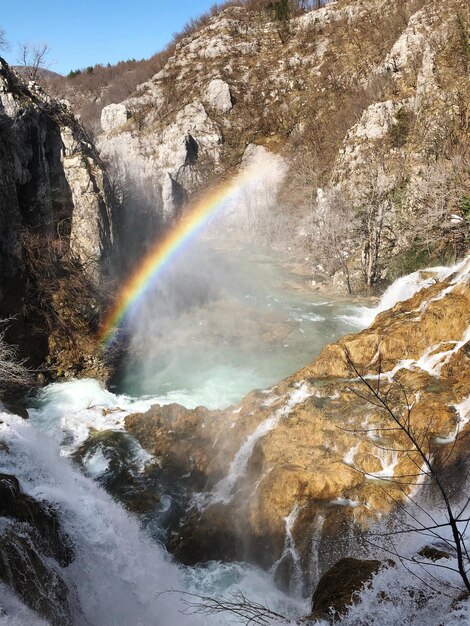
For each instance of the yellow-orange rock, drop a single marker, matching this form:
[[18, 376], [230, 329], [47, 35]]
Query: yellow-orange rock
[[312, 455]]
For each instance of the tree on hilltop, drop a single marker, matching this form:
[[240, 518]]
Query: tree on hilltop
[[34, 58], [3, 39]]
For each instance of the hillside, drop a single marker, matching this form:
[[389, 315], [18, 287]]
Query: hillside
[[367, 102]]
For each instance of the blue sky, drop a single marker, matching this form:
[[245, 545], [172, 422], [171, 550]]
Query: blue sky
[[85, 32]]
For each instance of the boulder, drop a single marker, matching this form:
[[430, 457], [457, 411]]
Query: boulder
[[339, 587], [114, 116], [218, 95], [433, 554]]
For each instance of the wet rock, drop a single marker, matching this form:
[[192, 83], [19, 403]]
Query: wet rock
[[115, 461], [142, 501], [339, 587], [175, 435], [206, 539], [33, 548], [309, 453], [433, 554], [15, 402], [16, 505], [24, 568]]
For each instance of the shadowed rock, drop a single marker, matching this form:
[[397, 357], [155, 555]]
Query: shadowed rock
[[340, 586], [32, 547]]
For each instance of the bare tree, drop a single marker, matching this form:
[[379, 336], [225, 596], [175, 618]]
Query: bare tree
[[440, 216], [333, 234], [34, 58], [3, 39], [373, 210], [13, 372], [414, 442]]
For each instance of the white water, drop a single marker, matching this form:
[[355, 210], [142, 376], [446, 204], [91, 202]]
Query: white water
[[291, 551], [407, 286], [118, 572], [222, 491], [14, 613]]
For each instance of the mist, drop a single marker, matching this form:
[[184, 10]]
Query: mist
[[227, 316]]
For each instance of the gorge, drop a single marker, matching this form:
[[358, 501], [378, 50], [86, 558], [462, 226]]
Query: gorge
[[234, 364]]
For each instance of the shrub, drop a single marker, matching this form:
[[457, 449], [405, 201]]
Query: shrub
[[401, 129], [464, 203], [13, 372]]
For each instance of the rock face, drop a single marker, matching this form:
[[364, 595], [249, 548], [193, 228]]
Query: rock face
[[340, 585], [218, 95], [293, 466], [54, 176], [356, 97], [113, 116], [33, 549], [56, 224]]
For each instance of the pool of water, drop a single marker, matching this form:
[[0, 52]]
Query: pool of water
[[225, 321]]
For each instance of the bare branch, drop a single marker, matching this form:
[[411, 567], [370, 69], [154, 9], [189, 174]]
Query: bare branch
[[248, 611], [33, 57], [420, 447]]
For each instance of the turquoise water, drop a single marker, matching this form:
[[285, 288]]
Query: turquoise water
[[224, 322]]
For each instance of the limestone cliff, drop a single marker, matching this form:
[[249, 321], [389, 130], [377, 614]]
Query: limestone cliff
[[56, 227], [366, 101], [306, 461]]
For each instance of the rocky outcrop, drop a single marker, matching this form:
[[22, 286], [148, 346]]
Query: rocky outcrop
[[123, 478], [361, 100], [114, 116], [160, 167], [33, 549], [55, 179], [56, 227], [296, 465], [340, 586], [218, 95]]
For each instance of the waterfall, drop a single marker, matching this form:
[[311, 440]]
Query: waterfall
[[222, 491], [407, 286], [118, 572], [290, 552]]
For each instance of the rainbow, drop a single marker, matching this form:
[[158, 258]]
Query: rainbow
[[146, 274]]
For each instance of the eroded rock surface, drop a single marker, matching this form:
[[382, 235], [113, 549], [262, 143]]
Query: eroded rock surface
[[293, 466], [56, 229]]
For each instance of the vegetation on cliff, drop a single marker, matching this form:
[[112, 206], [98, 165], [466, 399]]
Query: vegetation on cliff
[[367, 103], [56, 231]]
